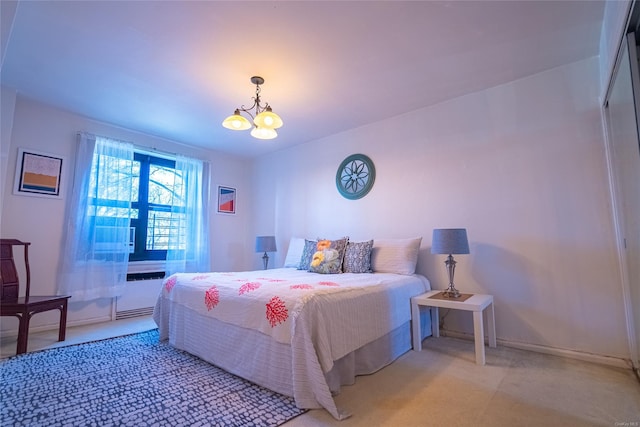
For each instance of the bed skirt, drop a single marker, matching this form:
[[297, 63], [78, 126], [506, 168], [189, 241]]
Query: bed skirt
[[260, 359]]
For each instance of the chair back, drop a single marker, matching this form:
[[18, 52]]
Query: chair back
[[9, 279]]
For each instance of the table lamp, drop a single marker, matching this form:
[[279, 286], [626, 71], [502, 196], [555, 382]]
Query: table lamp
[[449, 241], [265, 244]]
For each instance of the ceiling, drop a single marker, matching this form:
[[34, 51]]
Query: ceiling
[[176, 69]]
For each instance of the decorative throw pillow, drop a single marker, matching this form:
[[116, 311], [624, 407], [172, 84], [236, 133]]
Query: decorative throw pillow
[[357, 257], [294, 253], [327, 259], [307, 254], [398, 256]]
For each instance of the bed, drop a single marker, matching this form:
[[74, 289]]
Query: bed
[[299, 333]]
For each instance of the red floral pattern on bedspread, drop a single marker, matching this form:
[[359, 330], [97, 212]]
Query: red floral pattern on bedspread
[[328, 284], [211, 297], [170, 283], [248, 287], [301, 286], [276, 311]]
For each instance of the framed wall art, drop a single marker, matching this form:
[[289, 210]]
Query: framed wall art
[[38, 174], [355, 177], [226, 200]]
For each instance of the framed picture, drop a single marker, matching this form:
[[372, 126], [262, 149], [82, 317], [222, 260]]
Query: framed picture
[[38, 174], [226, 200]]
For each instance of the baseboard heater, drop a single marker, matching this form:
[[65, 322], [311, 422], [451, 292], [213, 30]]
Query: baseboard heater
[[127, 314], [135, 277]]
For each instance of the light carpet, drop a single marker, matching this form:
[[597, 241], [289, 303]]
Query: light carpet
[[133, 380]]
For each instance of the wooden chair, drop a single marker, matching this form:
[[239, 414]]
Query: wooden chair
[[24, 307]]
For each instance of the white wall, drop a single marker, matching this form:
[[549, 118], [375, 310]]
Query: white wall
[[40, 221], [521, 166]]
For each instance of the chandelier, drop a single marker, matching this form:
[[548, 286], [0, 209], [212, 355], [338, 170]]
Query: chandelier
[[265, 121]]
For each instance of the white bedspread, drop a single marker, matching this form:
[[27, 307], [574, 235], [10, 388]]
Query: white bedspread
[[322, 317]]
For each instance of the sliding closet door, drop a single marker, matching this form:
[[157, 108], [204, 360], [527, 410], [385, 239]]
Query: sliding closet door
[[621, 113]]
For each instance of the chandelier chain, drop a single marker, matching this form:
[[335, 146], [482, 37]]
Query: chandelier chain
[[256, 104]]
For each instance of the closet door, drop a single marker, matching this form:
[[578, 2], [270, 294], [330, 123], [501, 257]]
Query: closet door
[[621, 113]]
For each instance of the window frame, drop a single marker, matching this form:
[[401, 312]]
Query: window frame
[[142, 205]]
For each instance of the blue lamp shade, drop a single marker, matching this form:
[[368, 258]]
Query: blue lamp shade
[[266, 244], [450, 241]]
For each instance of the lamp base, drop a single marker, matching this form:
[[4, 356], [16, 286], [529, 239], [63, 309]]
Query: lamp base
[[265, 260], [451, 292]]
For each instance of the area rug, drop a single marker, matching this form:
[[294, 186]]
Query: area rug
[[133, 380]]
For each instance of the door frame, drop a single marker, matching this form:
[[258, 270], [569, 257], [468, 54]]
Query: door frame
[[627, 39]]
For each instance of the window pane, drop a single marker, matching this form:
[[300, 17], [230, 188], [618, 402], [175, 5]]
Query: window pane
[[165, 186], [114, 182], [110, 192], [109, 239], [158, 228], [112, 212], [111, 178]]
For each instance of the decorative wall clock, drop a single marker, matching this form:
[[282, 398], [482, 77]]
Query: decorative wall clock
[[355, 176]]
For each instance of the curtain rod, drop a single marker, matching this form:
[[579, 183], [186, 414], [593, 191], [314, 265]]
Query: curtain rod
[[136, 146], [154, 149]]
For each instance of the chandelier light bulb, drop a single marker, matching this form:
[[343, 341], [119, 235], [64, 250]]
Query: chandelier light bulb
[[268, 119], [236, 122], [263, 133]]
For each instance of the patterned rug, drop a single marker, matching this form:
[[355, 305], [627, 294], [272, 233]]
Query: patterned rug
[[131, 381]]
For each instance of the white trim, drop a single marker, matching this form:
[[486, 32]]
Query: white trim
[[626, 290], [623, 266], [560, 352], [620, 250], [54, 326]]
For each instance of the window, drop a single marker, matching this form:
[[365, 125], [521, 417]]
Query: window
[[148, 190], [128, 205]]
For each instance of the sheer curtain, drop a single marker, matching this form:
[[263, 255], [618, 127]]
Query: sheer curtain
[[95, 254], [189, 234]]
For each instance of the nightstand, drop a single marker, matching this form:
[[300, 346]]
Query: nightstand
[[477, 303]]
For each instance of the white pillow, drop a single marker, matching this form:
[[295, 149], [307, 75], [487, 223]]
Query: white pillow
[[294, 253], [398, 256]]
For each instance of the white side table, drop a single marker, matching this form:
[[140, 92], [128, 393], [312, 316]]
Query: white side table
[[477, 303]]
